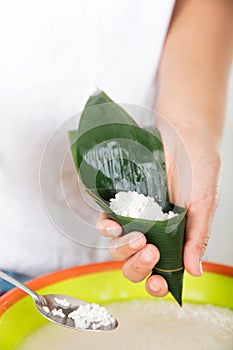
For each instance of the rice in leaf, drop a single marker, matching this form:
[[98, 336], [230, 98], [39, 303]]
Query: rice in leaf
[[112, 153]]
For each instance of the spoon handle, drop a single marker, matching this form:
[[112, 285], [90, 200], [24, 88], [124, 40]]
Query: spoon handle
[[37, 298]]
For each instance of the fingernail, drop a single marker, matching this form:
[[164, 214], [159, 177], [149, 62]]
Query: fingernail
[[201, 268], [155, 286], [147, 256]]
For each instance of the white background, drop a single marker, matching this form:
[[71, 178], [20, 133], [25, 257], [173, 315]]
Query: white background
[[220, 247], [39, 71]]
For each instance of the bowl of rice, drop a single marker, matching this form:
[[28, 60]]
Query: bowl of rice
[[204, 322]]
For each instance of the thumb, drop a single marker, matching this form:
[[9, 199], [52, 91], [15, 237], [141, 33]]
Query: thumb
[[198, 226]]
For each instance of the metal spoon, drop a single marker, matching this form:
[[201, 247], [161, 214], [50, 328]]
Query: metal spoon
[[58, 307]]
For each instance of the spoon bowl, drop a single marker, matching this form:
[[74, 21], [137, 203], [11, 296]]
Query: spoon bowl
[[68, 311]]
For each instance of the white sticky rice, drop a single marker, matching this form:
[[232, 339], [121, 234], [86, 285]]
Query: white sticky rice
[[145, 324], [135, 205]]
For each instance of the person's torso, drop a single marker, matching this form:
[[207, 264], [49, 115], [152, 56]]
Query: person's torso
[[55, 55]]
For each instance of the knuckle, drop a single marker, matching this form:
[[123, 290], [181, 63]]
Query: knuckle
[[135, 272], [116, 253], [128, 274], [118, 249], [132, 277], [201, 246]]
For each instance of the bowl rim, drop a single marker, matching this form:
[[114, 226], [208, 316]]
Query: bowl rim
[[14, 295]]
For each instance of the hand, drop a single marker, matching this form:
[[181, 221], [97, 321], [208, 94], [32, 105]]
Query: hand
[[192, 93], [193, 168], [193, 183], [140, 257]]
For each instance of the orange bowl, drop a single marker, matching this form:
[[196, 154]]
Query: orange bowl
[[101, 283]]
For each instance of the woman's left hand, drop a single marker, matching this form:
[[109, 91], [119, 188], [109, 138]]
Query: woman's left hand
[[139, 256]]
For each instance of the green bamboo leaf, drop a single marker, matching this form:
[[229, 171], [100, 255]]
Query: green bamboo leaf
[[107, 113], [111, 154], [113, 159]]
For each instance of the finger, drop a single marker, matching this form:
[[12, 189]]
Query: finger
[[108, 227], [199, 220], [140, 264], [156, 286], [121, 248]]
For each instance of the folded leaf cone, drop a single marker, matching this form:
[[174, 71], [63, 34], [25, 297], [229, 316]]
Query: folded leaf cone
[[111, 154]]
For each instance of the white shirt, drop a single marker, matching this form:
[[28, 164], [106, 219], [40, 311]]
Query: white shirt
[[53, 56]]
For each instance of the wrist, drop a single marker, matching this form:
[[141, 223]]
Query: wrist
[[192, 125]]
